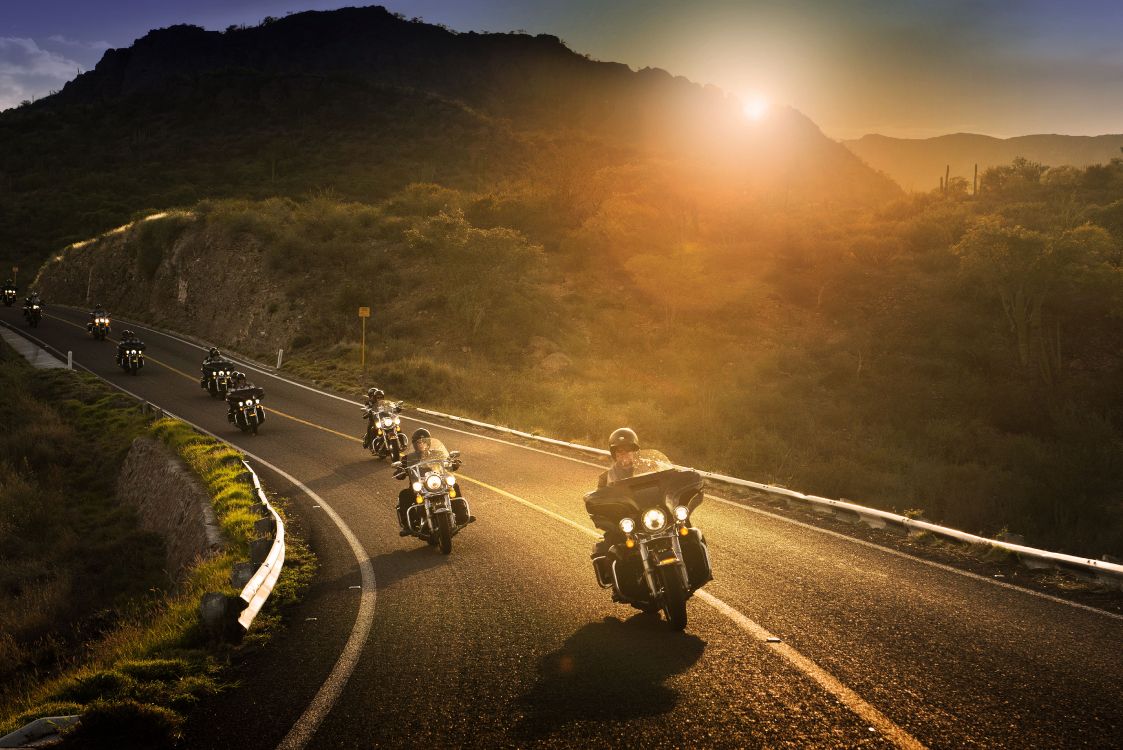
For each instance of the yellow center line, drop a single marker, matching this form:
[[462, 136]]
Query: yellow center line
[[828, 682]]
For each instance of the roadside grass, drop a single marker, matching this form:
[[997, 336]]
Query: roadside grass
[[134, 659]]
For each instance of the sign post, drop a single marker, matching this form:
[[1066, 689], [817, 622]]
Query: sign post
[[364, 313], [15, 274]]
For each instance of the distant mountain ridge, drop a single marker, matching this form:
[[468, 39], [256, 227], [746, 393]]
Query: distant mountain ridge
[[918, 164]]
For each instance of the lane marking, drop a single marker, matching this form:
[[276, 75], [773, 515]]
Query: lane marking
[[328, 694], [725, 501]]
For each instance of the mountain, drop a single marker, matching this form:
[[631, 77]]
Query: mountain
[[918, 164], [361, 102]]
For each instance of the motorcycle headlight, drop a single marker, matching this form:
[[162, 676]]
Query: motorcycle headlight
[[654, 519], [627, 525], [241, 403], [257, 401], [221, 373], [434, 482], [451, 480], [417, 486], [682, 512], [397, 420], [387, 422]]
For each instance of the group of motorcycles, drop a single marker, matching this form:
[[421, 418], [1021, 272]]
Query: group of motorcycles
[[221, 379], [652, 557], [433, 507]]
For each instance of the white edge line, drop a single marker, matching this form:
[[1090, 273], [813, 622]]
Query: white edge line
[[329, 692], [744, 506]]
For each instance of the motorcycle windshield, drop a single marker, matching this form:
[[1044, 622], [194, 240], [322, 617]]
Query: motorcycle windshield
[[651, 482], [433, 453], [648, 462]]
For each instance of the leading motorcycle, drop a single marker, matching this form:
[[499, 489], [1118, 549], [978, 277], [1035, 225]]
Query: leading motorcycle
[[216, 377], [9, 296], [655, 558], [130, 356], [438, 510], [33, 313]]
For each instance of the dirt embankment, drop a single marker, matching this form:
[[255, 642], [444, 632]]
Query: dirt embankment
[[170, 502], [173, 271]]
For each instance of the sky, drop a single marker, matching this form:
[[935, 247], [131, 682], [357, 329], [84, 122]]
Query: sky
[[902, 68]]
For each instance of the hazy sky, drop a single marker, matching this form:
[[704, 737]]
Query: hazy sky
[[911, 69]]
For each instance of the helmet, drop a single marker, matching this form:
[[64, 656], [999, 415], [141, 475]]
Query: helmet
[[419, 435], [214, 352], [624, 437], [126, 334], [375, 393], [97, 305]]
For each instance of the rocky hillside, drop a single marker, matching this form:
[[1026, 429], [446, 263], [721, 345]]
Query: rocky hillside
[[918, 164], [359, 103]]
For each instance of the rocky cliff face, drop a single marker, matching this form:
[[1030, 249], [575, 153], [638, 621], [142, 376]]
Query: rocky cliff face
[[170, 502], [173, 272]]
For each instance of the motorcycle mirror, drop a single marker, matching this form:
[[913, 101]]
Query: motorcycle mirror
[[397, 465], [454, 455]]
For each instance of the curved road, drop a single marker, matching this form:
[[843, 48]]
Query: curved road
[[509, 642]]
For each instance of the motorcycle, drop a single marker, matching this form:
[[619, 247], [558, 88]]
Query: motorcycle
[[33, 313], [131, 357], [388, 439], [438, 511], [216, 377], [656, 559], [245, 409], [9, 296], [99, 327]]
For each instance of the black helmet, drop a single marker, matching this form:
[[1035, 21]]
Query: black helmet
[[97, 305], [375, 393], [214, 352], [419, 434], [126, 334], [624, 437]]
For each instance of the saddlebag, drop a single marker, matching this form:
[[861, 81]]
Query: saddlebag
[[697, 559]]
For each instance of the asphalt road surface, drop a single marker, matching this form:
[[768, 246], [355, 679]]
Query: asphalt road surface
[[509, 642]]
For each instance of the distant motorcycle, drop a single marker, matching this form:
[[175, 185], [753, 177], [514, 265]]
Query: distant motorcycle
[[438, 511], [33, 313], [216, 377], [245, 409], [130, 356], [388, 438], [657, 559], [9, 296], [99, 327]]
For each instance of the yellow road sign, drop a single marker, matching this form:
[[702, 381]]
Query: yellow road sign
[[364, 312]]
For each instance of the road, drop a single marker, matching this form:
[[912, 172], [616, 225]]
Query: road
[[509, 642]]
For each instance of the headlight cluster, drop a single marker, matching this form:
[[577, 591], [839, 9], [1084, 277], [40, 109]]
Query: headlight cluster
[[434, 482]]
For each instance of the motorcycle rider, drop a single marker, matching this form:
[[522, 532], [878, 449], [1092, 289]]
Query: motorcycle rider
[[374, 396], [31, 299], [421, 440], [623, 444], [213, 356], [97, 312], [237, 382], [128, 341]]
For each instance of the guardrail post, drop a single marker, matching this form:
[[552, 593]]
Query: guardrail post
[[70, 360], [280, 354]]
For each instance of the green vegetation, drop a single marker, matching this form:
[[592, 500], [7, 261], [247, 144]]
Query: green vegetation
[[954, 355], [82, 633]]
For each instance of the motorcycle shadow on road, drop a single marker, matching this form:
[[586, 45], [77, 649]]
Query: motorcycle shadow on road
[[611, 670]]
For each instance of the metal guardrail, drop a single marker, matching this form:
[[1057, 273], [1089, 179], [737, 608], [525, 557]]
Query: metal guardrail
[[260, 586], [1107, 572]]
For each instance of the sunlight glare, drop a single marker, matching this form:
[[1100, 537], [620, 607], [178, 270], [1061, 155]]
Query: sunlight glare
[[756, 108]]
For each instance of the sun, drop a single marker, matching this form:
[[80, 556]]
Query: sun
[[756, 108]]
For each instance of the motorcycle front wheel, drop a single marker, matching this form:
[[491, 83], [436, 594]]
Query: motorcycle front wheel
[[444, 533], [674, 598]]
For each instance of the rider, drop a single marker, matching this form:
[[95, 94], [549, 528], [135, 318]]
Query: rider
[[623, 444], [9, 284], [374, 396], [128, 341], [214, 356], [31, 299], [97, 312], [237, 382], [422, 442]]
